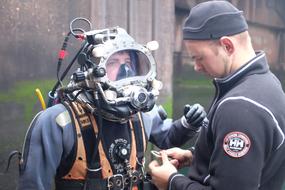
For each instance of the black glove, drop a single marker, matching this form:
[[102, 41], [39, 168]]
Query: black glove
[[194, 115]]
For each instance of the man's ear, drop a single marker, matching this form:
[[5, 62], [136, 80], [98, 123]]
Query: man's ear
[[227, 44]]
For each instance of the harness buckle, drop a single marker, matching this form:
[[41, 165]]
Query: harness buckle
[[117, 181]]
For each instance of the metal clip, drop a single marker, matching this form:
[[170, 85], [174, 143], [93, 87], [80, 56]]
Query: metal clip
[[94, 170]]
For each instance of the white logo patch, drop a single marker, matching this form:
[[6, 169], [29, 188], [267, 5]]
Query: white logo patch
[[236, 144]]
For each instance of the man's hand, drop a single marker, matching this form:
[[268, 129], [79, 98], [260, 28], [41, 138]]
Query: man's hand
[[180, 158], [194, 115], [161, 173]]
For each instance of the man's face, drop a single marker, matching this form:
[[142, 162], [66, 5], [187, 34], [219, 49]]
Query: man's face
[[208, 58], [114, 63]]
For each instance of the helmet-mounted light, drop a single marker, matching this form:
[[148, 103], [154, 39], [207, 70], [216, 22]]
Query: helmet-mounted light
[[152, 45]]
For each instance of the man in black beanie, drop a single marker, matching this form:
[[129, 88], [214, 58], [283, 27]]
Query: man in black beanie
[[243, 146]]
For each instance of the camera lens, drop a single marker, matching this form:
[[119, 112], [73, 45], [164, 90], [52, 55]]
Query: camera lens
[[142, 97], [139, 98]]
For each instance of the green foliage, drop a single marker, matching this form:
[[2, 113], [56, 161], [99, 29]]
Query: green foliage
[[168, 107], [193, 83], [23, 93]]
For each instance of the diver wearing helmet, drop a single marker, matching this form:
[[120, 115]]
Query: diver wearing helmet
[[96, 137]]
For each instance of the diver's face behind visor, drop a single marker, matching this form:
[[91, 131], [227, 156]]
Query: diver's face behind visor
[[125, 69], [130, 77], [125, 64]]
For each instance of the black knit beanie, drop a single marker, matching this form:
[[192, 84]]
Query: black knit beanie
[[212, 20]]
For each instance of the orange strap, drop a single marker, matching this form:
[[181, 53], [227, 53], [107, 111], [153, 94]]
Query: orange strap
[[78, 170], [133, 156]]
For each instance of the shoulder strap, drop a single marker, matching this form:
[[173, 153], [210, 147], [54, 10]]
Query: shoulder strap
[[140, 138], [82, 120], [144, 136], [105, 165], [78, 170]]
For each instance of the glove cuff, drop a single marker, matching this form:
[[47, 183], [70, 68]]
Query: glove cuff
[[186, 124]]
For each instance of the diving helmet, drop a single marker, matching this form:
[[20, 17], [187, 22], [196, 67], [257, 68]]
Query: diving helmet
[[117, 75]]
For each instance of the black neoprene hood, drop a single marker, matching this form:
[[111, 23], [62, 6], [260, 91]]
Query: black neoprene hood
[[212, 20]]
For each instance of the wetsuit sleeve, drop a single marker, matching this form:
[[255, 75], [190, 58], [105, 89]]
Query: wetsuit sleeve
[[42, 150], [166, 133], [243, 134]]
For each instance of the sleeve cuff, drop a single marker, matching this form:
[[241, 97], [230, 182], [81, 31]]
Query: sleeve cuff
[[171, 179]]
